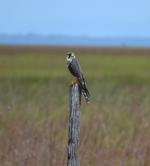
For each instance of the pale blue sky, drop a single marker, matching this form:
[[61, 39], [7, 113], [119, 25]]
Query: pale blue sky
[[115, 18]]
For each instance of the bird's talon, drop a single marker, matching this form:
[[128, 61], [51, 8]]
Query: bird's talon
[[74, 82]]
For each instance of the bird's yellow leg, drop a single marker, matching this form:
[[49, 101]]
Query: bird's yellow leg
[[74, 82]]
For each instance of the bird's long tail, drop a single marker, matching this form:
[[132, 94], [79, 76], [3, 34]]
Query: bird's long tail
[[84, 89], [86, 94]]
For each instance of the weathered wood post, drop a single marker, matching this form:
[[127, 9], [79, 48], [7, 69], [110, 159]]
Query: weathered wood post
[[73, 132]]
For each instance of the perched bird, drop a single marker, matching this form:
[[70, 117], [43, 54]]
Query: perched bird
[[75, 70]]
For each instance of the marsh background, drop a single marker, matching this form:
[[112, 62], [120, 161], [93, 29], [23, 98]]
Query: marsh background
[[115, 126]]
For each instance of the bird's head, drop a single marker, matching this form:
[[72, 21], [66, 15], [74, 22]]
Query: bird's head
[[70, 57]]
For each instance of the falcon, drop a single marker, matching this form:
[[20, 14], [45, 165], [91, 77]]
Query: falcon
[[75, 70]]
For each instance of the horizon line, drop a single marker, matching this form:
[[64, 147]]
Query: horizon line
[[72, 36]]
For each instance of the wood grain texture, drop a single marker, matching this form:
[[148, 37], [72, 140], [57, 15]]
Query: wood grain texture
[[74, 121]]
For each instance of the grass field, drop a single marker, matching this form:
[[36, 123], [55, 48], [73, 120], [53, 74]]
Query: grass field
[[115, 126]]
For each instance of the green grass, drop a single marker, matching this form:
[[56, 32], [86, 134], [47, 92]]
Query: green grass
[[115, 126], [46, 66]]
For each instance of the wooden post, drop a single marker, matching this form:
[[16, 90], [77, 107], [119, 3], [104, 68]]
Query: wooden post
[[73, 133]]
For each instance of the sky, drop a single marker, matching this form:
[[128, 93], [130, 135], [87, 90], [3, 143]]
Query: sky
[[93, 18]]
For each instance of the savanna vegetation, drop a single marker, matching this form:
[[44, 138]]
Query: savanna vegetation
[[115, 126]]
